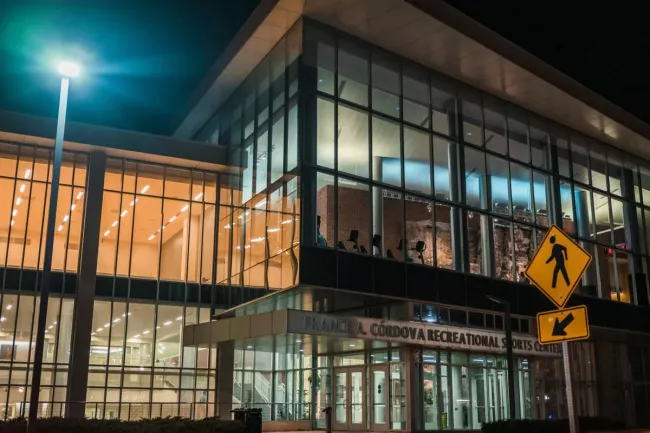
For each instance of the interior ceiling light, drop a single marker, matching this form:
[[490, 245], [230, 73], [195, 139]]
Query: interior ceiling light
[[144, 189], [28, 173], [198, 196], [81, 193]]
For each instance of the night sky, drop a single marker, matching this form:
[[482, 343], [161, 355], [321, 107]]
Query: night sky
[[604, 46], [143, 58]]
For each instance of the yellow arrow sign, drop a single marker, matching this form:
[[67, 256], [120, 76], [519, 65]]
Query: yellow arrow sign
[[563, 325], [558, 266]]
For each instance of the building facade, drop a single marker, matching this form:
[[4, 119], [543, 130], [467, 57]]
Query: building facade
[[330, 238]]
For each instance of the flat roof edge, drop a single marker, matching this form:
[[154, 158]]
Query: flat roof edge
[[487, 37], [234, 46], [117, 139]]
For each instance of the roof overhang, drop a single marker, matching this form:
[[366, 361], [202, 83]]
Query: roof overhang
[[21, 128], [435, 35]]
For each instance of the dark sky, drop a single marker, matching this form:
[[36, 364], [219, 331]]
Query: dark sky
[[605, 46], [143, 58]]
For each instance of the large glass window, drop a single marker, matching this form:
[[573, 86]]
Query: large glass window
[[426, 141], [353, 73], [163, 230], [25, 181], [385, 86], [353, 146]]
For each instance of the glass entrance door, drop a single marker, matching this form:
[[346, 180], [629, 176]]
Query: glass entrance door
[[379, 397], [349, 401]]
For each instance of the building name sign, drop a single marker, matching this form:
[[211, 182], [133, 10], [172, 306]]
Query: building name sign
[[428, 335]]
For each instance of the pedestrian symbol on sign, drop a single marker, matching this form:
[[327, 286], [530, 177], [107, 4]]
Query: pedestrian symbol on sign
[[558, 257], [559, 254]]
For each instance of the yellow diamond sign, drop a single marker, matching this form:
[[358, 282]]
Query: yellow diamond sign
[[558, 266], [556, 326]]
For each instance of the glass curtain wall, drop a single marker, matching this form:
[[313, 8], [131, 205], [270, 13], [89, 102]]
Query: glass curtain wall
[[409, 165], [259, 123], [391, 140], [603, 197], [25, 176], [463, 390], [278, 381], [158, 223]]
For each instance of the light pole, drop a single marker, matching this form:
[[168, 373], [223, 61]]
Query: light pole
[[509, 356], [67, 70]]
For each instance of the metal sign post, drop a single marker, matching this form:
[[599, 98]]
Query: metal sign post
[[569, 388], [556, 270]]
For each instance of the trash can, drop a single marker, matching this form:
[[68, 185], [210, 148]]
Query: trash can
[[239, 414], [254, 420]]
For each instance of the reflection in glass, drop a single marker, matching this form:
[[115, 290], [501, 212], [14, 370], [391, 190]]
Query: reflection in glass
[[443, 102], [385, 86], [443, 155], [415, 83], [475, 193], [495, 128], [353, 73], [472, 119], [518, 138], [325, 133], [352, 148], [417, 161], [386, 162], [498, 177]]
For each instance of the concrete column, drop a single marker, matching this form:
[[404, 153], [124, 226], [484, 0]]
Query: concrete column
[[590, 278], [307, 136], [456, 166], [225, 365], [63, 348], [487, 234], [378, 210], [85, 299]]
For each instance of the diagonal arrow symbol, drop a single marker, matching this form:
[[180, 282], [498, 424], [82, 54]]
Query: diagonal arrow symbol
[[559, 327]]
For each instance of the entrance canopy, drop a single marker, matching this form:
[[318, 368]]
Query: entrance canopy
[[325, 331]]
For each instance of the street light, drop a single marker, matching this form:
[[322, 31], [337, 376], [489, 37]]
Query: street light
[[67, 70], [510, 358]]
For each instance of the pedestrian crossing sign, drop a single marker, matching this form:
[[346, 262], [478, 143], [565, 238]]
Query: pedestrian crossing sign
[[558, 266]]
